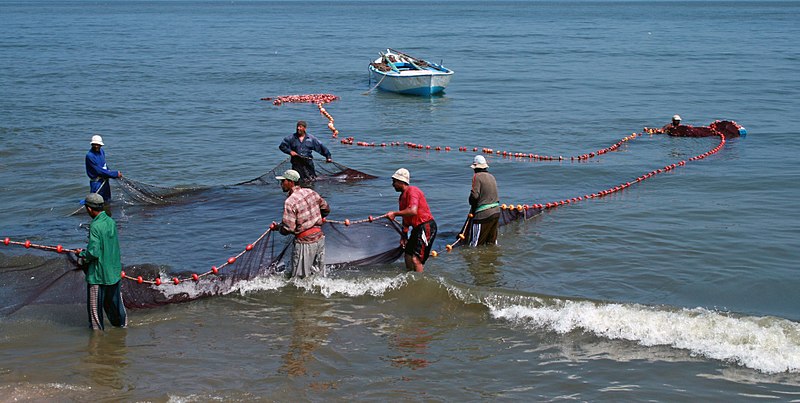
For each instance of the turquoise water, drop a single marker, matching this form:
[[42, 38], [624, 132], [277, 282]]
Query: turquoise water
[[682, 286]]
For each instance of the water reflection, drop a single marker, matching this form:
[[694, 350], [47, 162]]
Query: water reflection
[[411, 341], [483, 264], [309, 332], [106, 358]]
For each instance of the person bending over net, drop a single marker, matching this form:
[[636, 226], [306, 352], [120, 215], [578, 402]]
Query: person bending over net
[[417, 215], [300, 146], [303, 211]]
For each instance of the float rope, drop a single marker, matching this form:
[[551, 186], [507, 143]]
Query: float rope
[[27, 244], [321, 99], [531, 156]]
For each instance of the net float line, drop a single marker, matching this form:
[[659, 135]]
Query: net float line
[[319, 99], [331, 127], [157, 281], [491, 151], [215, 270], [307, 98], [622, 186], [28, 244], [531, 156]]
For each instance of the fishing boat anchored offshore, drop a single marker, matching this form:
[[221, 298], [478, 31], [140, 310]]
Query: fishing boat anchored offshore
[[399, 72]]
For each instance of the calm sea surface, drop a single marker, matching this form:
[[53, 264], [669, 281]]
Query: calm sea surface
[[682, 287]]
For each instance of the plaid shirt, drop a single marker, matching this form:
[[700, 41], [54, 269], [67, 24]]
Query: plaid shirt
[[301, 211]]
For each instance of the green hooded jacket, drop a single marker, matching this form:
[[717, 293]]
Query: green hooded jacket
[[102, 252]]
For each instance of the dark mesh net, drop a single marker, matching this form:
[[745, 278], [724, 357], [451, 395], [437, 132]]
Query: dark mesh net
[[326, 172], [507, 216], [31, 279], [135, 192], [142, 193]]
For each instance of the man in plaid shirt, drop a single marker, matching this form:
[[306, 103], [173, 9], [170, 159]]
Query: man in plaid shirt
[[302, 216]]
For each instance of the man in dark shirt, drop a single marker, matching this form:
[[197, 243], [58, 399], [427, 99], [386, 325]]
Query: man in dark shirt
[[299, 147], [484, 205]]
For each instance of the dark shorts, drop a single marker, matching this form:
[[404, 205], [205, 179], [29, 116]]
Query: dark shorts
[[420, 241]]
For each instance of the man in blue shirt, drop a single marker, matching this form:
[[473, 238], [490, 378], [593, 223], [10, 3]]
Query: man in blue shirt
[[98, 172], [299, 146]]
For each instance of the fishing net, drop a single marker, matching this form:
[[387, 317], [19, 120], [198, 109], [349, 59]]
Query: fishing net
[[326, 172], [31, 279], [728, 128], [135, 192], [508, 215]]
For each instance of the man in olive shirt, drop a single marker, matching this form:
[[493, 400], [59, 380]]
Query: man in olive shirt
[[484, 205], [103, 268]]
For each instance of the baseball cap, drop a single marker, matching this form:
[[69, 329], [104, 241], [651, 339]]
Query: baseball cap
[[290, 174]]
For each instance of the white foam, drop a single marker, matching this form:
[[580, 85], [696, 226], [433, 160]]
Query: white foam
[[767, 344], [354, 287], [267, 283]]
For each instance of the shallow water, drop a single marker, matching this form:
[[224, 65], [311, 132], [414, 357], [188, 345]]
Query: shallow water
[[681, 286]]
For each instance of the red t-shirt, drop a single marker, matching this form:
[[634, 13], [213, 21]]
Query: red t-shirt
[[412, 196]]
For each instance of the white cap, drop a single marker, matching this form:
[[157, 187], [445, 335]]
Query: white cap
[[402, 175], [479, 162], [96, 139], [676, 117]]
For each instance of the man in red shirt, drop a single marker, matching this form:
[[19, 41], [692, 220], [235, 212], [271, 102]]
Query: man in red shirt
[[416, 214]]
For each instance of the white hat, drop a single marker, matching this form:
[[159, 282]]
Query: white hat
[[96, 139], [402, 175], [676, 117], [479, 162]]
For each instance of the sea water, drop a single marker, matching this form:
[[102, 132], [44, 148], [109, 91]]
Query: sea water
[[682, 286]]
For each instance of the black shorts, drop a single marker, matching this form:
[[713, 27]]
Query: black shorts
[[420, 241]]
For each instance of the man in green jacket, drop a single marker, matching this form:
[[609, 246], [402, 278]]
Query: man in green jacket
[[103, 268]]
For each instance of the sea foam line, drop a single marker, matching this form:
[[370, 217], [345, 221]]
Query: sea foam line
[[767, 344]]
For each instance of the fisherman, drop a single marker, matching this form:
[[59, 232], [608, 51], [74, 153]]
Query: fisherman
[[676, 120], [303, 211], [416, 214], [101, 260], [98, 172], [299, 146], [484, 205], [672, 128]]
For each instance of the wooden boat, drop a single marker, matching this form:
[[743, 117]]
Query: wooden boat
[[399, 72]]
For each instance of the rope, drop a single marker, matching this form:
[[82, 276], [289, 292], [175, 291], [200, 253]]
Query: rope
[[461, 237], [96, 192], [376, 86]]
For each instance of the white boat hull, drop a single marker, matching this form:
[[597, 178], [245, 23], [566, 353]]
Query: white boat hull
[[426, 81]]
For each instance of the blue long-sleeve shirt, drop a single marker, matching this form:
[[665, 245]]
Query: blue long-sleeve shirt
[[96, 166], [304, 148], [97, 171]]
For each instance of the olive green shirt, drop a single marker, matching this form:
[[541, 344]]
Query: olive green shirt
[[102, 252], [484, 192]]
